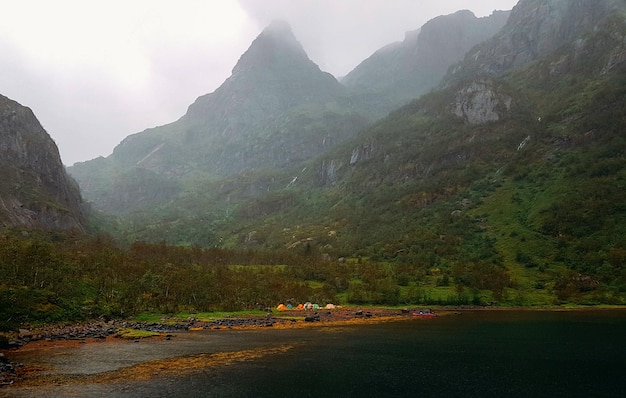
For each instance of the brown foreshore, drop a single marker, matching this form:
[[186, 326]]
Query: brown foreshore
[[292, 318]]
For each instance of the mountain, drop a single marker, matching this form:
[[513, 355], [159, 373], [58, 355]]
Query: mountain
[[507, 178], [276, 110], [35, 190], [400, 72]]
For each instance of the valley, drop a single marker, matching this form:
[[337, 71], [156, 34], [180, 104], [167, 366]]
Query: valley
[[487, 171]]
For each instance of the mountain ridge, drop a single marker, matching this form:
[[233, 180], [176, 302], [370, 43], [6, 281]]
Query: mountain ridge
[[405, 70], [275, 111]]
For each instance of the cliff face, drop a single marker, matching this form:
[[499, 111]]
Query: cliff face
[[35, 190], [536, 29]]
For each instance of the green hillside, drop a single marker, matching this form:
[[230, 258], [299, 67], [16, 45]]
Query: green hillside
[[529, 207]]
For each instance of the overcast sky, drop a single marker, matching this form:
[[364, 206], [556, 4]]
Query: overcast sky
[[97, 71]]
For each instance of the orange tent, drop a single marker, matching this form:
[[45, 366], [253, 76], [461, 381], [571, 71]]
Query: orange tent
[[281, 307]]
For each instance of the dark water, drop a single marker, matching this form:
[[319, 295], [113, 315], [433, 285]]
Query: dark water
[[478, 354]]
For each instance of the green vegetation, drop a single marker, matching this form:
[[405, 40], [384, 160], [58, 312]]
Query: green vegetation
[[61, 278], [132, 334]]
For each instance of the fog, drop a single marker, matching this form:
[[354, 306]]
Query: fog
[[95, 72]]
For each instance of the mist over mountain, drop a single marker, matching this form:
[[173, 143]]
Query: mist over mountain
[[273, 75], [35, 190], [403, 71], [276, 110]]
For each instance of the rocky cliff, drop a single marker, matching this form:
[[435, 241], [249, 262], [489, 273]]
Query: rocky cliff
[[535, 30], [35, 191], [563, 34]]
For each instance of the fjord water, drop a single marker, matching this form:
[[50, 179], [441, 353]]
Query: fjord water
[[476, 354]]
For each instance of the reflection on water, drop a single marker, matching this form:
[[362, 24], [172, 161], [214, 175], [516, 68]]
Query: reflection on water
[[478, 354]]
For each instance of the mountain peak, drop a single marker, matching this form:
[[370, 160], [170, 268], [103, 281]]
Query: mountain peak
[[274, 66], [276, 47], [279, 27]]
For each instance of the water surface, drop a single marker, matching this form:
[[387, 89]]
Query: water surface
[[477, 354]]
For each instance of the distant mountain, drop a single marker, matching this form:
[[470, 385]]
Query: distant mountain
[[400, 72], [35, 191], [276, 110]]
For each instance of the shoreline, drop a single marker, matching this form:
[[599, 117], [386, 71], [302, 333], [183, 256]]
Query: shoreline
[[102, 330], [53, 337]]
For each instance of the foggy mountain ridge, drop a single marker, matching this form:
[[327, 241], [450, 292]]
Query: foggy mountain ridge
[[256, 119], [400, 72], [276, 110]]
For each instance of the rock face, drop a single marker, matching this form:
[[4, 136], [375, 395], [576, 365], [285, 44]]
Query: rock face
[[35, 191], [404, 71], [479, 103], [535, 30], [553, 31]]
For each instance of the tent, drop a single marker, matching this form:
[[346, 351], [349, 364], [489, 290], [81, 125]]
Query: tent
[[289, 306], [316, 306], [281, 307], [308, 305], [330, 306]]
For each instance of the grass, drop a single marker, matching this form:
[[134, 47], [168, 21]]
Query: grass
[[512, 214], [132, 334], [149, 317], [257, 267], [315, 284]]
